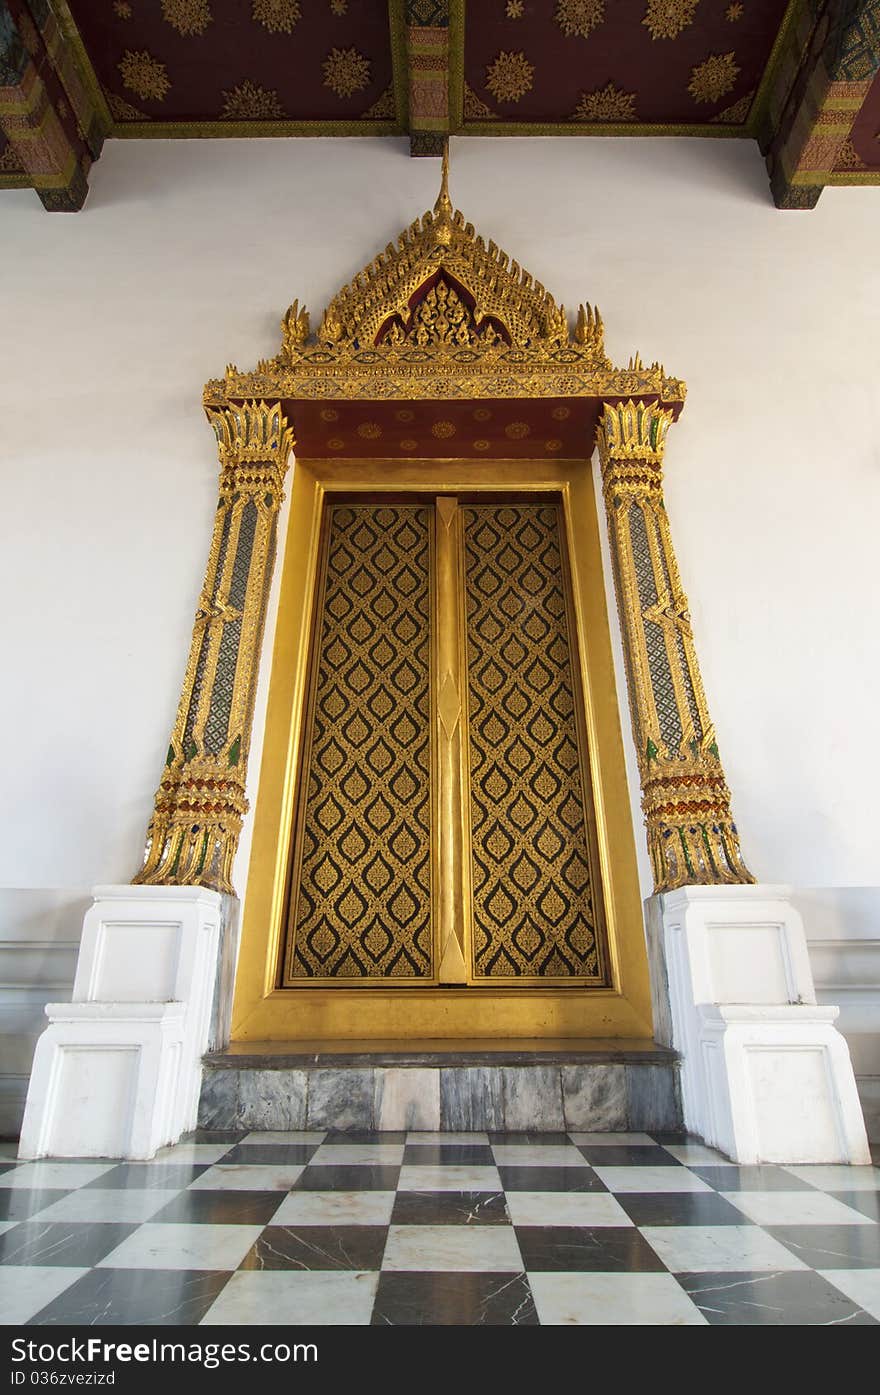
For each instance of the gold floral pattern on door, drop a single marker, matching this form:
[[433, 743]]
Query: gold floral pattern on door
[[361, 905], [533, 913]]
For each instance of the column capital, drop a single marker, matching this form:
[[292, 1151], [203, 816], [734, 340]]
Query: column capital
[[254, 442], [631, 440]]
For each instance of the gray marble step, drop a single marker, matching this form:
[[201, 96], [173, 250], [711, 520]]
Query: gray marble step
[[543, 1087]]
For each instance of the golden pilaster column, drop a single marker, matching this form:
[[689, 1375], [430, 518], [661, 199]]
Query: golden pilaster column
[[200, 803], [692, 838]]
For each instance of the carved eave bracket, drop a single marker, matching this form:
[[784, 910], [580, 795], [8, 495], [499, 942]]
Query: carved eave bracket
[[443, 314]]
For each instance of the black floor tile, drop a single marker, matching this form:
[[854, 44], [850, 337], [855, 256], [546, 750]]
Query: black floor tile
[[117, 1297], [534, 1139], [868, 1203], [449, 1208], [18, 1203], [336, 1177], [318, 1247], [454, 1300], [630, 1155], [60, 1242], [829, 1246], [549, 1179], [750, 1179], [679, 1208], [270, 1154], [449, 1155], [137, 1176], [606, 1249], [771, 1300], [363, 1136], [231, 1207], [673, 1136], [8, 1164]]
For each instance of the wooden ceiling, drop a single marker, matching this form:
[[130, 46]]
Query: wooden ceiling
[[798, 76]]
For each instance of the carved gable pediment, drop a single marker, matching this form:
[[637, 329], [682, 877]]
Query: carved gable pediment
[[442, 313], [412, 280]]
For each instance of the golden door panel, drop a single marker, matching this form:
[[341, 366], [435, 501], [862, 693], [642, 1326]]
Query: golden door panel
[[533, 870], [428, 779], [361, 895]]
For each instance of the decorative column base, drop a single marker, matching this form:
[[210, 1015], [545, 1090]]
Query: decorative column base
[[765, 1076], [117, 1072]]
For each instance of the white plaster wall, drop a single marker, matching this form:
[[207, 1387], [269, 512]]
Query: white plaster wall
[[185, 257]]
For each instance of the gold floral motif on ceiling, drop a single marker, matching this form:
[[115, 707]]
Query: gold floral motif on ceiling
[[738, 113], [121, 110], [666, 19], [122, 9], [733, 13], [188, 17], [474, 109], [514, 9], [510, 77], [250, 102], [346, 71], [712, 80], [608, 103], [144, 75], [579, 17], [338, 7], [848, 158], [384, 108], [278, 16]]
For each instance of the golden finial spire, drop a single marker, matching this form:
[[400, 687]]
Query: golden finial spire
[[443, 206]]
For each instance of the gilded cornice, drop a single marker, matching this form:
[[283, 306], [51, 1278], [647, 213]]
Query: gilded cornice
[[511, 341]]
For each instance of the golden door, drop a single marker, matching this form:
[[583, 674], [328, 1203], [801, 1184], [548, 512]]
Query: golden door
[[445, 830]]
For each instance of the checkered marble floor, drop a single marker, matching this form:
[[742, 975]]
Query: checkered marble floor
[[420, 1228]]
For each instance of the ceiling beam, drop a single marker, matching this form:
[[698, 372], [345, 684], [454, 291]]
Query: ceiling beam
[[832, 57], [427, 54], [48, 114]]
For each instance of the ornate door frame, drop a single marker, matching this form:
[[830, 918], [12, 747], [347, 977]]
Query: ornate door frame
[[442, 366]]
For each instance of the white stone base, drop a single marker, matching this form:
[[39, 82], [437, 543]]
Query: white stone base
[[117, 1072], [766, 1076]]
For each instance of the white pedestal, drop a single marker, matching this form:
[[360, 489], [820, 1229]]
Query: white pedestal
[[117, 1072], [766, 1076]]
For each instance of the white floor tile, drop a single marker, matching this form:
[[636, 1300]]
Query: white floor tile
[[54, 1176], [861, 1285], [275, 1298], [292, 1136], [7, 1225], [335, 1208], [486, 1248], [722, 1248], [244, 1177], [613, 1140], [538, 1155], [463, 1140], [358, 1155], [27, 1289], [565, 1208], [698, 1153], [833, 1177], [191, 1153], [795, 1208], [414, 1178], [172, 1246], [600, 1300], [108, 1204], [650, 1179]]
